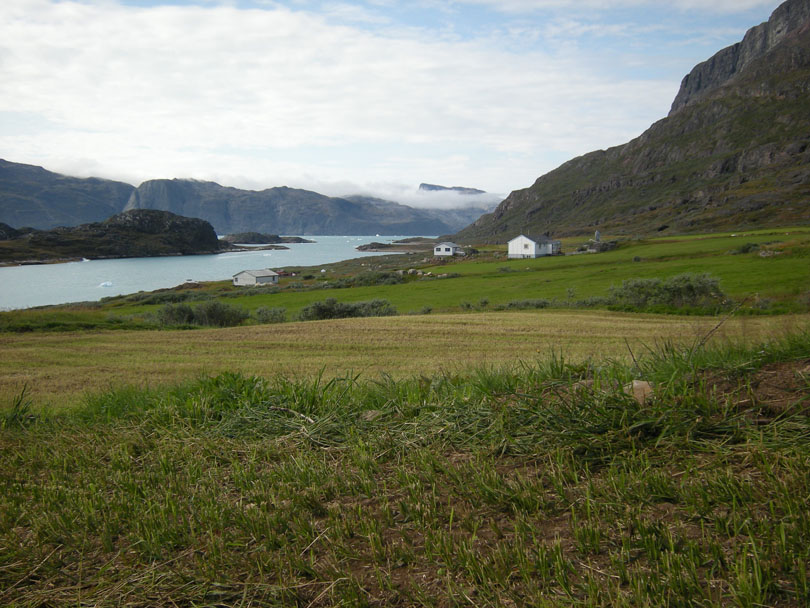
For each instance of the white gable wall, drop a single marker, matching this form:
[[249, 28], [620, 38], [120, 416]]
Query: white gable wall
[[523, 247]]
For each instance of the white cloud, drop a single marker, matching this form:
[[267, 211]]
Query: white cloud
[[277, 96], [528, 6]]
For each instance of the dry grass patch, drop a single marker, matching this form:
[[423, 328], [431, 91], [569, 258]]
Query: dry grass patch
[[59, 368]]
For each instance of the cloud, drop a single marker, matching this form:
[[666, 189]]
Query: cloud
[[529, 6], [289, 96]]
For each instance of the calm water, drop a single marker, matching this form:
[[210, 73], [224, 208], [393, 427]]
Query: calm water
[[24, 286]]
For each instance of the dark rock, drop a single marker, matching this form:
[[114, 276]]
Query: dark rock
[[136, 233], [458, 189]]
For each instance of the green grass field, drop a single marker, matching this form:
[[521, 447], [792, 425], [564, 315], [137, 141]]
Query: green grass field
[[547, 485], [465, 457], [773, 277]]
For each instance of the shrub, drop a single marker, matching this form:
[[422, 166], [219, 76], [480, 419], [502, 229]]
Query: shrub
[[175, 314], [680, 291], [218, 314], [270, 315], [370, 278], [527, 304], [746, 248], [211, 313], [332, 309]]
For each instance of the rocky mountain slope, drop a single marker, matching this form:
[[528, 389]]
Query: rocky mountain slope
[[32, 196], [284, 210], [136, 233], [732, 154]]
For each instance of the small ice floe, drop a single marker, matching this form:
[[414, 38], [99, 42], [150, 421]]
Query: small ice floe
[[85, 260], [106, 284]]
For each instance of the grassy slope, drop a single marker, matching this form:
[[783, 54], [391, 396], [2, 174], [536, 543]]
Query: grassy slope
[[545, 486]]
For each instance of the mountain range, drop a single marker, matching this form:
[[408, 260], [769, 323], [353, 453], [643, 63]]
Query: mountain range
[[732, 153], [31, 196], [285, 210]]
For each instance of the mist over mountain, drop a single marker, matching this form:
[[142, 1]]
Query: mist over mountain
[[285, 210], [732, 153]]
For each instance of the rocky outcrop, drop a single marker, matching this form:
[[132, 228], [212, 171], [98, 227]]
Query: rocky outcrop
[[457, 189], [32, 196], [787, 19], [733, 156], [136, 233]]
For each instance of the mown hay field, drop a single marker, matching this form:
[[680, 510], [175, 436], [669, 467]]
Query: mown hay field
[[59, 369]]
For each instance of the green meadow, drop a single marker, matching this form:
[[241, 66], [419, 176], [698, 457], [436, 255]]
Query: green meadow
[[765, 271], [517, 433]]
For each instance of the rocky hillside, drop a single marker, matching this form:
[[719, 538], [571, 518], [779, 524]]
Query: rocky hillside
[[136, 233], [283, 210], [732, 154], [32, 196]]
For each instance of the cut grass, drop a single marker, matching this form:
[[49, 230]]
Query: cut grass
[[59, 368], [542, 485]]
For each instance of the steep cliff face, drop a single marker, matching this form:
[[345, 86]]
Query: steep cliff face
[[731, 61], [733, 154], [32, 196]]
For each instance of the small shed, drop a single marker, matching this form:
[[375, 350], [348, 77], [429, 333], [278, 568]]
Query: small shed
[[524, 247], [447, 249], [255, 277]]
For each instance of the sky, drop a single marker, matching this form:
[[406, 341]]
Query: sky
[[365, 97]]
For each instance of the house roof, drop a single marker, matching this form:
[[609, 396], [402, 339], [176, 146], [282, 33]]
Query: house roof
[[537, 239], [258, 273], [446, 244]]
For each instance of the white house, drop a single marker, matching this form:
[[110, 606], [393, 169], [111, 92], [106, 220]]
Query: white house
[[524, 247], [447, 249], [255, 277]]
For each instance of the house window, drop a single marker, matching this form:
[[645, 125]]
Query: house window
[[447, 249], [525, 245]]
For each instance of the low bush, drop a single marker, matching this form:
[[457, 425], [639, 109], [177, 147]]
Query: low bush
[[211, 313], [525, 304], [266, 315], [164, 297], [218, 314], [688, 290], [332, 309], [175, 314]]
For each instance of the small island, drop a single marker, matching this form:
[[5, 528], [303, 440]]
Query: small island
[[412, 244], [258, 238], [132, 234]]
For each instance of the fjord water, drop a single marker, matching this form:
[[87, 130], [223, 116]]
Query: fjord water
[[43, 284]]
